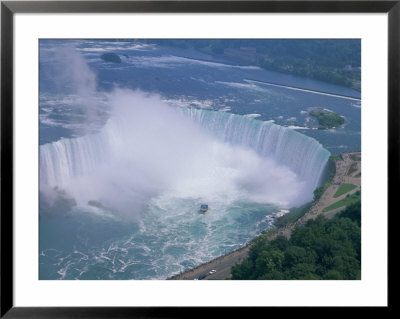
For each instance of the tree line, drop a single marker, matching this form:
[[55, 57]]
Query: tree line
[[335, 61], [327, 249]]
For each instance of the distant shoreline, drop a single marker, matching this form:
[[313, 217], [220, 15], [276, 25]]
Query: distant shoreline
[[306, 90], [222, 61]]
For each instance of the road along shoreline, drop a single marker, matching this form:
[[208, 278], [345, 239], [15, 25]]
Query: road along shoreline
[[348, 171]]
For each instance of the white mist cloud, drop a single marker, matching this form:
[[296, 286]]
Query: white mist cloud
[[72, 78], [72, 71], [149, 149]]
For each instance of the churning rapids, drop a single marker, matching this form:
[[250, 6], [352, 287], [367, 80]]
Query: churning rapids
[[122, 202], [134, 188], [148, 149]]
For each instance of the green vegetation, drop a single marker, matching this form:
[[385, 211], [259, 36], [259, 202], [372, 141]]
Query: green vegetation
[[348, 200], [327, 119], [343, 189], [331, 174], [322, 249], [298, 212], [293, 215], [264, 235], [270, 232], [353, 212], [336, 61]]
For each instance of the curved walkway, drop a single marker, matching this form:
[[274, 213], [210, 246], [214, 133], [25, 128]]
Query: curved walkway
[[348, 171]]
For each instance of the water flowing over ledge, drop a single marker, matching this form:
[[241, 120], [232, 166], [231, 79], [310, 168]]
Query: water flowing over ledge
[[303, 154], [73, 158]]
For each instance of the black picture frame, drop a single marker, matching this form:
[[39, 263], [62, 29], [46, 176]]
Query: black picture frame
[[9, 8]]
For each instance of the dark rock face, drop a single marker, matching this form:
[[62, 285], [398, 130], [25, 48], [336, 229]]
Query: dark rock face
[[111, 57]]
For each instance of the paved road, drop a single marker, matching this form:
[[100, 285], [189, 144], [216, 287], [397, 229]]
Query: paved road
[[223, 264]]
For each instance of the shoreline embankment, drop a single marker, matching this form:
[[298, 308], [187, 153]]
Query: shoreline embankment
[[348, 171]]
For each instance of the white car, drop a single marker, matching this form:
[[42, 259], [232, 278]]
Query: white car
[[212, 272]]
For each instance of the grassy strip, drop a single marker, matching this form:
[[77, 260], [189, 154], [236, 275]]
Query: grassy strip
[[343, 189], [263, 237], [293, 215], [299, 212], [331, 174], [348, 200], [270, 232]]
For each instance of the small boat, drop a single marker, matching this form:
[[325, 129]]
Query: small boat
[[203, 208]]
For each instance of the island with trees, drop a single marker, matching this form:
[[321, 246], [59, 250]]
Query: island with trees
[[326, 118]]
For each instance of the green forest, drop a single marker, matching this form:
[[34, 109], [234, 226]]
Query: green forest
[[327, 120], [327, 249], [335, 61]]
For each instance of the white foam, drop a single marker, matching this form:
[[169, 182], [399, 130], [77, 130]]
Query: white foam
[[294, 127], [252, 115], [116, 46], [171, 61], [225, 109], [188, 102], [133, 159]]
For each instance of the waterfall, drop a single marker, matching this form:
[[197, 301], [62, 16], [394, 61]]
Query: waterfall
[[70, 157], [302, 154], [124, 146]]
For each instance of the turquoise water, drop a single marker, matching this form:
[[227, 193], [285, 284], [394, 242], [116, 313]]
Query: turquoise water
[[123, 172], [164, 240]]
